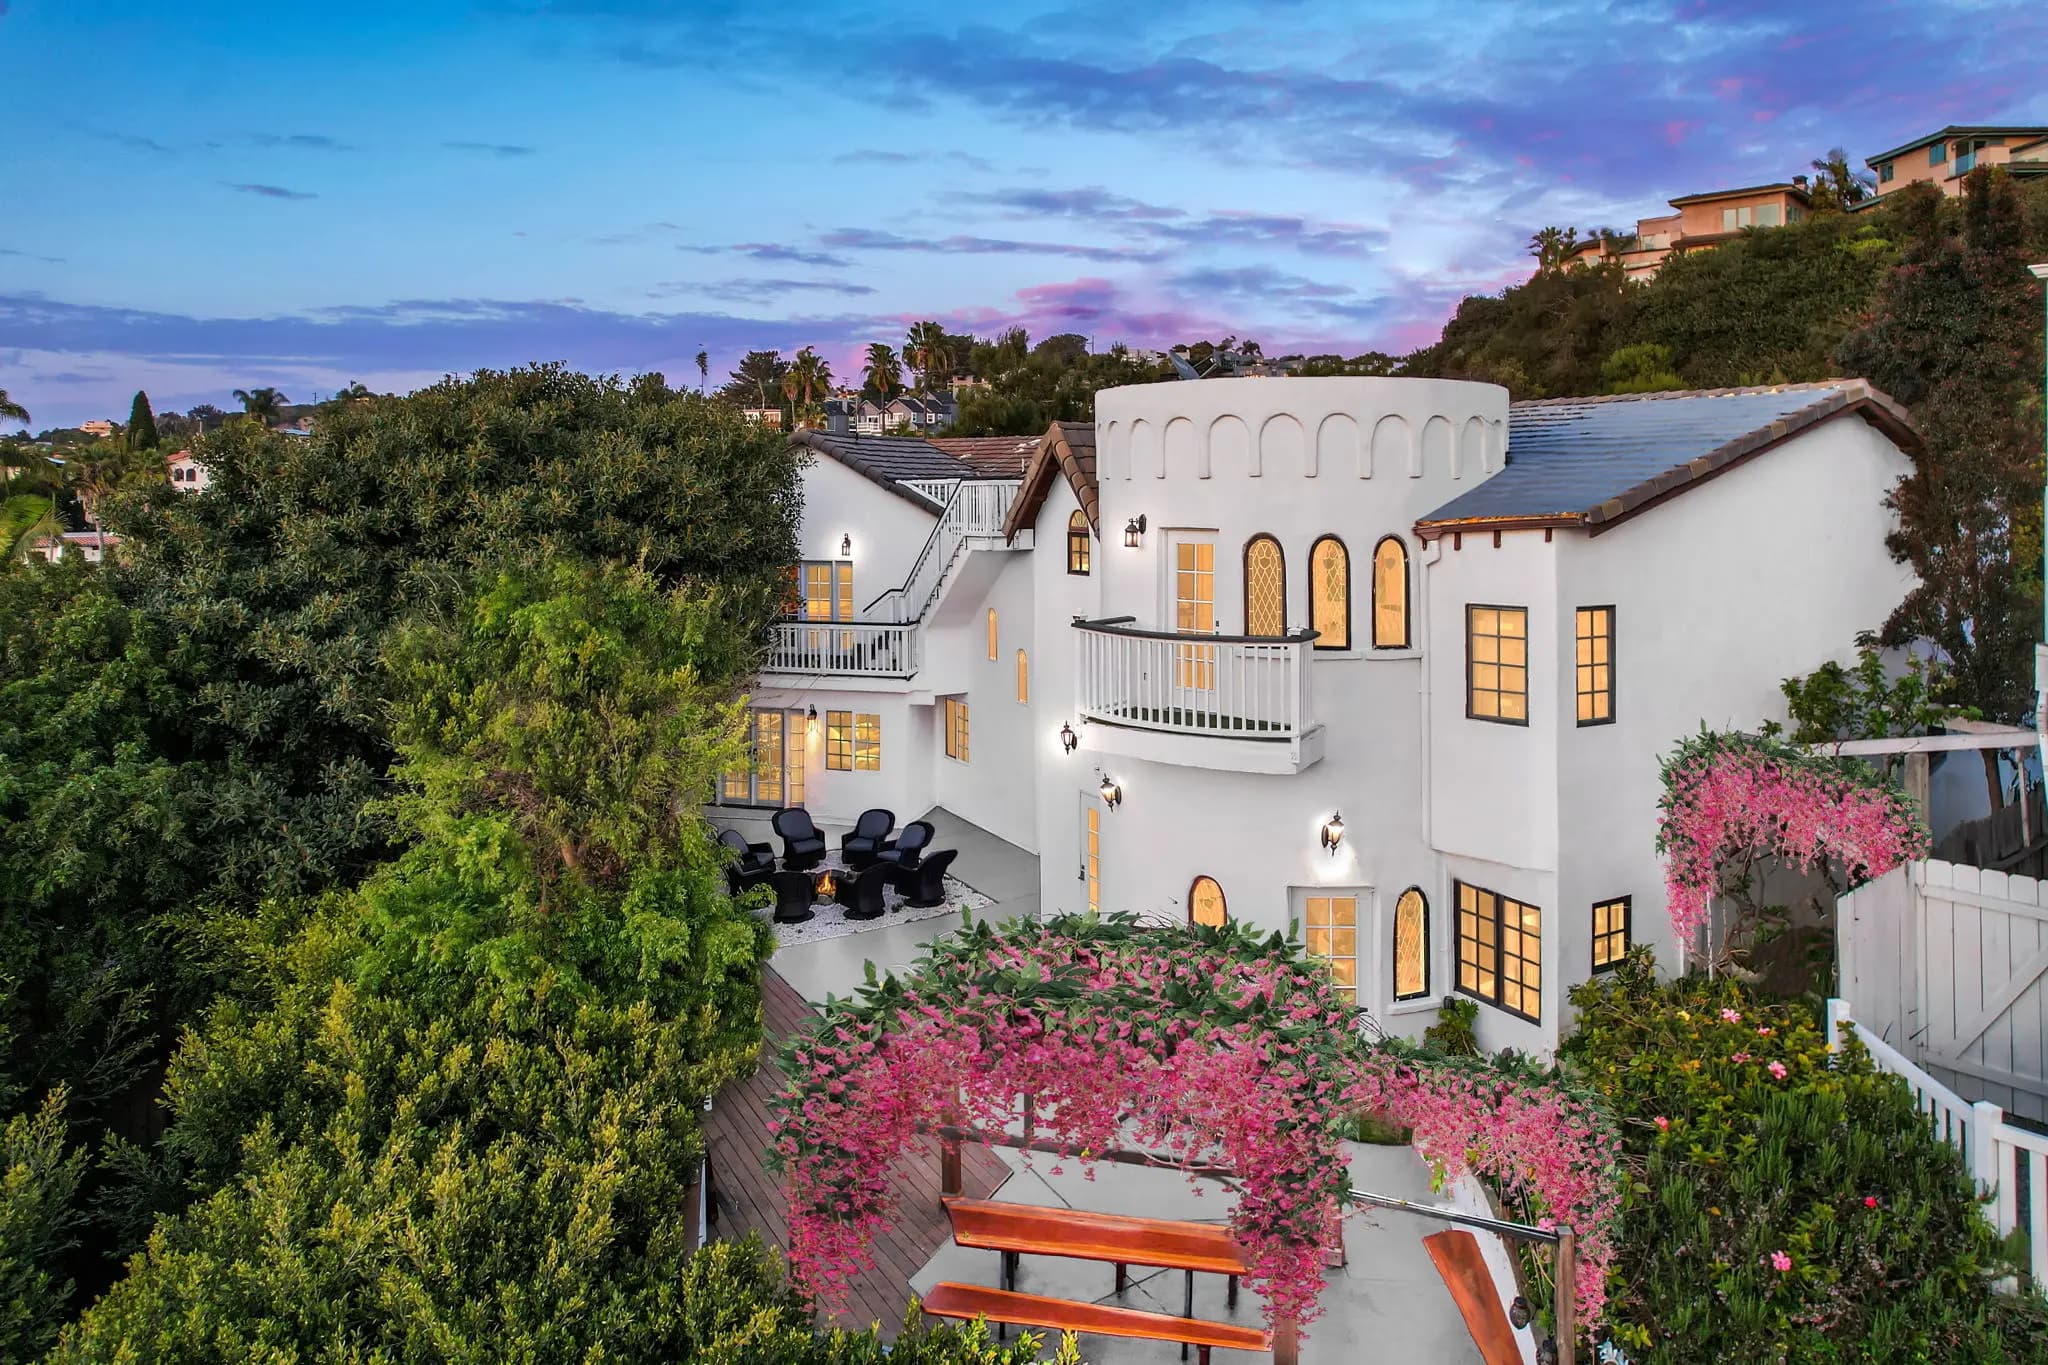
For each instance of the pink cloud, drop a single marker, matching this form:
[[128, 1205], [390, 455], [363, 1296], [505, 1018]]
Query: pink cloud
[[1677, 129]]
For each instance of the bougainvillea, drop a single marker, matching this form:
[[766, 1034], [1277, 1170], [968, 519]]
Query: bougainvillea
[[1728, 794], [1213, 1048]]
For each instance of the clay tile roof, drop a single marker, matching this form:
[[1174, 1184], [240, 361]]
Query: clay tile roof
[[1588, 461], [888, 460], [1067, 448], [994, 457]]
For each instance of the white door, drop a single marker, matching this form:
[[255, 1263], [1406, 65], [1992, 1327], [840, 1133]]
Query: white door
[[1089, 864], [1191, 606]]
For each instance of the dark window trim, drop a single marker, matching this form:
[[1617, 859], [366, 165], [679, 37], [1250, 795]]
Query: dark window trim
[[1077, 537], [1350, 643], [1613, 676], [1394, 931], [1470, 714], [1198, 879], [1628, 932], [1458, 985], [1244, 560], [1407, 596]]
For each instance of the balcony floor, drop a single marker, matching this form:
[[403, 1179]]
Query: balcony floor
[[1229, 744]]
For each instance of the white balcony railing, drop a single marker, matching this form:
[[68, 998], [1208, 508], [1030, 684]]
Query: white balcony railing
[[973, 508], [867, 648], [1228, 686]]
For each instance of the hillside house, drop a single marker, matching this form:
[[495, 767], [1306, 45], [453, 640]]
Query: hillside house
[[1701, 221], [1945, 157], [187, 474]]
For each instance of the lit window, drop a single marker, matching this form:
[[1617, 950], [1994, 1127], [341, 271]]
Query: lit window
[[956, 729], [1023, 679], [1091, 854], [839, 741], [867, 742], [1390, 594], [1205, 902], [1497, 664], [991, 632], [1596, 665], [1077, 543], [1194, 611], [774, 772], [1329, 593], [1411, 945], [1265, 587], [1610, 933], [1500, 951], [1330, 931], [828, 590]]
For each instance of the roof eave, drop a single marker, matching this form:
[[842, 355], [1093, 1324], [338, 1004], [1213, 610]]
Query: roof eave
[[819, 443]]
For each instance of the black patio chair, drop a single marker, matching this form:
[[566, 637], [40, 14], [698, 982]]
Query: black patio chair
[[905, 850], [794, 892], [865, 840], [752, 863], [802, 846], [862, 893], [924, 886]]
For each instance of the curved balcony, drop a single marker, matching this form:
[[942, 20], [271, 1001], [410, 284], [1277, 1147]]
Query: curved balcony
[[1240, 703]]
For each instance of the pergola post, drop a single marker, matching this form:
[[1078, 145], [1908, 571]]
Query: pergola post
[[950, 1183], [1286, 1343], [1564, 1267]]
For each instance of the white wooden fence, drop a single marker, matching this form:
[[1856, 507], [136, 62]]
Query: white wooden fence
[[1994, 1151]]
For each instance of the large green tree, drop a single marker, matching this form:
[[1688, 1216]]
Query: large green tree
[[142, 433]]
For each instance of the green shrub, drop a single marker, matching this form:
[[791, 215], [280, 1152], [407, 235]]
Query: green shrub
[[1786, 1204], [1456, 1030], [38, 1183]]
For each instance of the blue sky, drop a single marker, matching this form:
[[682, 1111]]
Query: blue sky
[[212, 195]]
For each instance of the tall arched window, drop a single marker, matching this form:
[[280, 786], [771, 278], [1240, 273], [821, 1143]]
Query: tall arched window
[[1390, 594], [991, 633], [1411, 945], [1329, 593], [1265, 587], [1077, 543], [1023, 679], [1205, 902]]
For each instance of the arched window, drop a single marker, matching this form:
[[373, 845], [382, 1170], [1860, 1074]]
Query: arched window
[[1265, 587], [991, 633], [1205, 902], [1390, 594], [1023, 679], [1329, 593], [1411, 945], [1077, 543]]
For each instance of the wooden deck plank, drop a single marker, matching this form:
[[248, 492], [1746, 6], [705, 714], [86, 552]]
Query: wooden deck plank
[[1067, 1315], [1458, 1260], [1165, 1243]]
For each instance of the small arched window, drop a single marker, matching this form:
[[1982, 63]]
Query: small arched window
[[1411, 945], [1265, 587], [1077, 543], [1205, 903], [992, 633], [1329, 593], [1390, 594], [1023, 679]]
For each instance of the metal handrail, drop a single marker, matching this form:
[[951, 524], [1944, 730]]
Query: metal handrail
[[1113, 625]]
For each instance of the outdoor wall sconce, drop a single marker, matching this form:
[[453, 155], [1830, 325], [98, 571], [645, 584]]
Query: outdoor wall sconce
[[1134, 531], [811, 720], [1112, 794], [1518, 1312], [846, 547], [1333, 831], [1068, 739]]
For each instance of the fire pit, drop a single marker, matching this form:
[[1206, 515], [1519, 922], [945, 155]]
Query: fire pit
[[828, 883]]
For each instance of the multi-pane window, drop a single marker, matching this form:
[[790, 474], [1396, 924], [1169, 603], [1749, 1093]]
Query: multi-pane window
[[991, 634], [1194, 610], [1023, 679], [1077, 543], [1610, 932], [1500, 951], [1937, 154], [956, 728], [853, 742], [1497, 664], [1329, 593], [774, 772], [1390, 594], [1265, 587], [1595, 644], [1411, 945], [1205, 902], [1091, 853], [828, 590], [1330, 931]]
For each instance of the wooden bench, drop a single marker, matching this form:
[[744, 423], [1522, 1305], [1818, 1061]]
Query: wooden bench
[[1458, 1260], [1064, 1315]]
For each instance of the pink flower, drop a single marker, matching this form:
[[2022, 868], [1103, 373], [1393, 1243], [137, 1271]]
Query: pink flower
[[1778, 1070], [1869, 1201], [1780, 1262], [1731, 1016], [1739, 1057], [1764, 1032], [1663, 1124]]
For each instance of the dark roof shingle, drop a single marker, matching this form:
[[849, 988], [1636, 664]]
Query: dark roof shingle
[[996, 457], [888, 460]]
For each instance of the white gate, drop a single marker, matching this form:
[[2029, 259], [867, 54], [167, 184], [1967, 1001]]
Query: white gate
[[1949, 964]]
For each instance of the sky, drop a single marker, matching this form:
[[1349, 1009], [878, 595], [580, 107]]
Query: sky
[[213, 195]]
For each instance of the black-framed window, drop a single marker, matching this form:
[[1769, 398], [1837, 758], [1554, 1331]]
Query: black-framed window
[[1500, 951], [1497, 663], [1265, 587], [1390, 594], [1594, 643], [1329, 593], [1411, 945], [1205, 902], [1613, 932], [1079, 551]]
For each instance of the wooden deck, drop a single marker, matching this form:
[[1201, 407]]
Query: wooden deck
[[752, 1198]]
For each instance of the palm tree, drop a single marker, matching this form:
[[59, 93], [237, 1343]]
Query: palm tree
[[703, 370], [261, 404], [11, 411], [883, 372], [356, 392], [809, 379], [925, 349], [1836, 186], [98, 470]]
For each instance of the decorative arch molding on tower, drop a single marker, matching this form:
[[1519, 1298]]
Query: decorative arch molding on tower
[[1283, 447], [1496, 446], [1142, 451], [1393, 448], [1436, 448], [1112, 461], [1471, 450], [1337, 447], [1182, 448], [1229, 448]]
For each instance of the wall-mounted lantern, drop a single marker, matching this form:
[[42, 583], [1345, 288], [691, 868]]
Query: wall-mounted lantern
[[811, 720], [846, 546], [1068, 739], [1134, 531], [1112, 794], [1333, 831]]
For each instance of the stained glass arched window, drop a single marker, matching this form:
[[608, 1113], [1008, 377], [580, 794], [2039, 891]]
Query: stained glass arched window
[[1329, 593], [1411, 945], [1205, 902], [1265, 587], [1390, 594], [1077, 543]]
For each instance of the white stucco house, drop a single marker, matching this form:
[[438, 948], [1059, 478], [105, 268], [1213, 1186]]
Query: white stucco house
[[187, 475], [1391, 661]]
